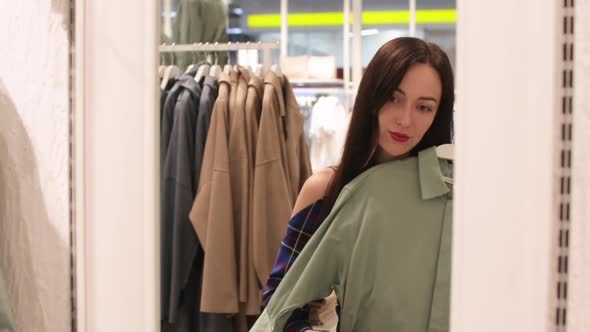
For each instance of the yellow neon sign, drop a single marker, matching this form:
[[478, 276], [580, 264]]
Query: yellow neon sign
[[324, 19]]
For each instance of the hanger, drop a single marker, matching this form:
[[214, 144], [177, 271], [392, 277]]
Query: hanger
[[171, 72], [216, 68], [209, 57], [162, 67], [276, 68], [227, 67], [445, 151], [192, 65], [202, 71], [258, 70]]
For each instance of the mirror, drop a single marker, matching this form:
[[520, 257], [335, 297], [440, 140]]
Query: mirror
[[275, 186]]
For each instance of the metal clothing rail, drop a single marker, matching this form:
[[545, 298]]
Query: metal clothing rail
[[224, 47]]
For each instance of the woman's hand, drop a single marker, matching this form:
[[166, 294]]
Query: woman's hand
[[322, 313]]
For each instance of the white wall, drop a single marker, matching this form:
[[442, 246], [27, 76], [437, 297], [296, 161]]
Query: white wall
[[504, 222], [34, 172]]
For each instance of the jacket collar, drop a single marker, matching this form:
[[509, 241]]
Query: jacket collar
[[431, 178], [256, 83], [245, 73], [234, 76], [271, 78], [224, 78], [191, 85], [194, 70], [211, 82]]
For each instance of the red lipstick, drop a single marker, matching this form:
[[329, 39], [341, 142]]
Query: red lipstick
[[399, 137]]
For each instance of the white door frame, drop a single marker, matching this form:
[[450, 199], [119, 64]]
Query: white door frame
[[116, 140]]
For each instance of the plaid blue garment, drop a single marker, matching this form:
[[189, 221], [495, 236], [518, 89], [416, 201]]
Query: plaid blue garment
[[301, 227]]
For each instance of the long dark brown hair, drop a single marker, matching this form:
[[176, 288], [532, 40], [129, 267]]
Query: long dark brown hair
[[382, 77]]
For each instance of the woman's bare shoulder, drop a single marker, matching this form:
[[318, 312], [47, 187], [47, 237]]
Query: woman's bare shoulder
[[313, 189]]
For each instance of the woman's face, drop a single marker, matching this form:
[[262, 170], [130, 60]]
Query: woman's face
[[406, 117]]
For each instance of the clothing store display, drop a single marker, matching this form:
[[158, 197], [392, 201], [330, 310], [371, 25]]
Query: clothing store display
[[329, 125], [210, 137], [181, 253], [164, 95], [252, 119], [6, 324], [281, 168], [208, 98], [212, 213], [168, 116], [384, 249], [240, 176], [178, 242], [200, 21]]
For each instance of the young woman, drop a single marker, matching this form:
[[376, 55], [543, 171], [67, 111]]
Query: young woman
[[404, 105]]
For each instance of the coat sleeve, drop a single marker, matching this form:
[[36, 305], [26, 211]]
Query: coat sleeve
[[212, 219], [321, 267], [178, 240], [272, 201]]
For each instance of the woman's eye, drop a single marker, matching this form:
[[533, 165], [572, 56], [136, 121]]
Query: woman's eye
[[394, 99], [425, 108]]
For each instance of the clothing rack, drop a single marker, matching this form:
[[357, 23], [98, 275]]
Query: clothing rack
[[224, 47]]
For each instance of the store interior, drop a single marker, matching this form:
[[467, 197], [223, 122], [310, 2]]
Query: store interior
[[160, 161]]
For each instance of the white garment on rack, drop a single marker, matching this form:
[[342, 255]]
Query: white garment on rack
[[329, 124]]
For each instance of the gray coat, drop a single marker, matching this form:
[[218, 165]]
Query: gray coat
[[184, 128], [179, 243]]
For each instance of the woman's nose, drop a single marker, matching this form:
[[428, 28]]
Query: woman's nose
[[404, 117]]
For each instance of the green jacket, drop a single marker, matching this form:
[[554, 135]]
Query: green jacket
[[200, 21], [5, 315], [384, 249]]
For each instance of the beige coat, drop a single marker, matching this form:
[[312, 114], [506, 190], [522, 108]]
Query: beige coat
[[297, 150], [253, 110], [241, 173], [280, 169], [212, 213], [254, 165]]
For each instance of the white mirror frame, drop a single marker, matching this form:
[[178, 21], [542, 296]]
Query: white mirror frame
[[505, 130], [502, 281], [579, 301], [508, 170], [116, 140]]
